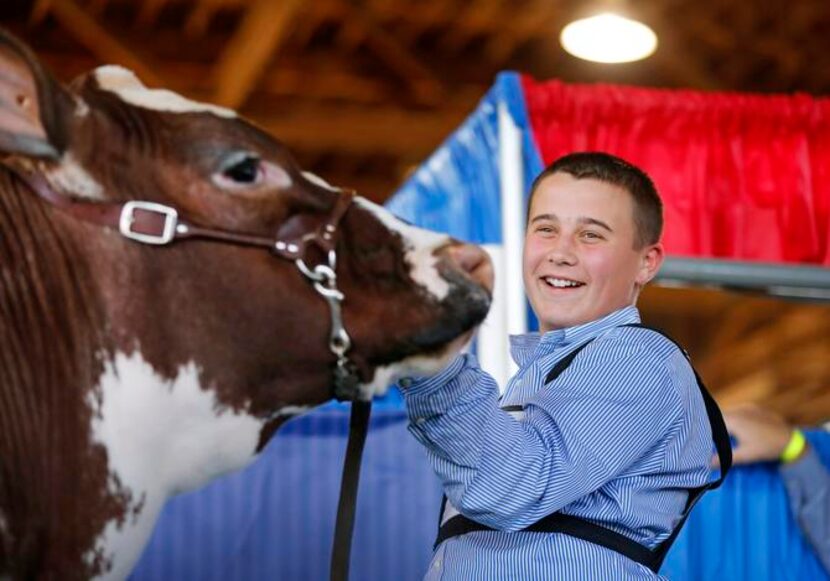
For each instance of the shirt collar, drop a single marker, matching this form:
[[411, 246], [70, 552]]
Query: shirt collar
[[525, 347]]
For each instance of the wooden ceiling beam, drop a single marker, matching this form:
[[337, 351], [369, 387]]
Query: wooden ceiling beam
[[737, 317], [478, 18], [349, 36], [538, 18], [325, 85], [198, 21], [247, 54], [96, 7], [755, 387], [668, 301], [810, 410], [383, 131], [425, 86], [39, 12], [431, 15], [148, 13], [98, 40], [675, 56], [304, 79], [790, 331]]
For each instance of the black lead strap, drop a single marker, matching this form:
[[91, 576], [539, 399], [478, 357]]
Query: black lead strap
[[341, 551]]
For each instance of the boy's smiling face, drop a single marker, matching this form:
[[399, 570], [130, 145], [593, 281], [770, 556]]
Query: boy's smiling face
[[580, 259]]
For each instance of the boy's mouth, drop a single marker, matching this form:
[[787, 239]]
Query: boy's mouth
[[557, 282]]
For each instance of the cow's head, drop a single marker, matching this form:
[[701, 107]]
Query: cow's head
[[249, 321]]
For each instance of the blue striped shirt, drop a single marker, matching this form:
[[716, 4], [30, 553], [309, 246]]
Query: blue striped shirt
[[616, 439]]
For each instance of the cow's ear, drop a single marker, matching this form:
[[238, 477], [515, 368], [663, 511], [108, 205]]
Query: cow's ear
[[33, 105]]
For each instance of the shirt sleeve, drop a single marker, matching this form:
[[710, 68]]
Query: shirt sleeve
[[507, 473], [808, 488]]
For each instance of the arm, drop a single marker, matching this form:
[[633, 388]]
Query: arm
[[808, 488], [762, 436], [575, 438]]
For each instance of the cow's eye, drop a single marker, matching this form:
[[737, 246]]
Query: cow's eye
[[243, 171], [239, 171]]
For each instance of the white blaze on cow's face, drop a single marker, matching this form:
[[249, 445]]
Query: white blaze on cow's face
[[161, 437], [70, 176], [419, 249], [318, 181], [130, 89]]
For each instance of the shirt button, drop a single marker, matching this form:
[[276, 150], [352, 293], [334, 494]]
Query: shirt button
[[436, 564], [405, 382], [420, 421]]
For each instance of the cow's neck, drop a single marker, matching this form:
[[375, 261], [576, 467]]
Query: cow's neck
[[51, 341], [77, 394], [162, 436]]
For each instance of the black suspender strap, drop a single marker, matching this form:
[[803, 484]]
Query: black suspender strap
[[559, 523], [565, 362], [719, 433], [595, 533]]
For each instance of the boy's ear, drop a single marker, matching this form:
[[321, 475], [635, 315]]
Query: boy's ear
[[32, 104], [651, 261]]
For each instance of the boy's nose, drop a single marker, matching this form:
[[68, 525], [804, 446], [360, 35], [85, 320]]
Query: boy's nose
[[561, 252]]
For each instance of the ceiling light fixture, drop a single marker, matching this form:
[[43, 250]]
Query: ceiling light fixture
[[608, 38]]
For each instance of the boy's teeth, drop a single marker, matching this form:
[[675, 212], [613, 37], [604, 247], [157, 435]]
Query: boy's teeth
[[561, 283]]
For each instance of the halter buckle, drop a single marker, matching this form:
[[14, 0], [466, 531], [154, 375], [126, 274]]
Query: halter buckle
[[125, 223]]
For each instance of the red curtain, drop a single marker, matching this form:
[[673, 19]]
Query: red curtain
[[742, 176]]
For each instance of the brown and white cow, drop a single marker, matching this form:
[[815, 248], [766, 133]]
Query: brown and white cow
[[129, 371]]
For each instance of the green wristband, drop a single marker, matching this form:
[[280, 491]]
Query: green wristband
[[794, 448]]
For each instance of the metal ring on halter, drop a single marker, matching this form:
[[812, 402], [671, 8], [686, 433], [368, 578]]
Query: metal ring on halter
[[339, 343], [315, 275]]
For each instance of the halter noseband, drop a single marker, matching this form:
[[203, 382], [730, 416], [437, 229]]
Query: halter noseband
[[158, 225]]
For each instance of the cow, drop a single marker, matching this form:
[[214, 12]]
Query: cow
[[174, 288]]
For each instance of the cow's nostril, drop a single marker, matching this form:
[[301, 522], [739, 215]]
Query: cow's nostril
[[473, 261]]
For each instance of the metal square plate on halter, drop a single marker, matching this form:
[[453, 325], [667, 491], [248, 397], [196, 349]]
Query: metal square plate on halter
[[125, 224]]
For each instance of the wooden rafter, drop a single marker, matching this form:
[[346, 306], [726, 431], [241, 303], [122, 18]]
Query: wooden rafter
[[96, 7], [95, 37], [200, 17], [807, 409], [425, 86], [790, 331], [537, 18], [479, 17], [264, 25], [737, 319], [429, 16], [676, 57], [758, 386], [388, 131], [40, 9], [149, 13], [307, 80]]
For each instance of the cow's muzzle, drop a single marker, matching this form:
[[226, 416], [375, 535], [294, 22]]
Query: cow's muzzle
[[472, 261]]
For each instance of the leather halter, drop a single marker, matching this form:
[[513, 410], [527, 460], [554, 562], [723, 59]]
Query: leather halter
[[158, 225]]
